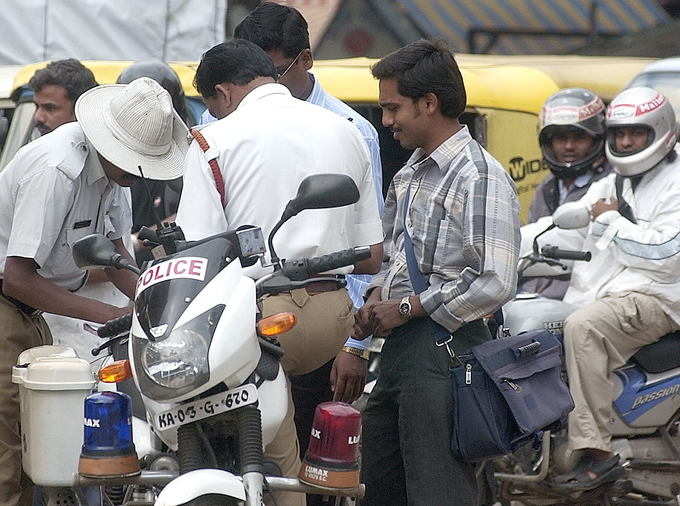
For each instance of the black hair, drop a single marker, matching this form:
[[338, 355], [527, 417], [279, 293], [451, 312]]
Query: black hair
[[237, 61], [70, 74], [275, 27], [424, 67]]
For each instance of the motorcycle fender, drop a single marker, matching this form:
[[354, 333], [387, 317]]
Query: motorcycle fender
[[188, 487]]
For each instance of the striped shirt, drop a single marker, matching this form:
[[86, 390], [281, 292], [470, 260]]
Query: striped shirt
[[464, 223]]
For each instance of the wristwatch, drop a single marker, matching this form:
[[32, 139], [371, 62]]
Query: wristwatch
[[405, 308], [359, 352]]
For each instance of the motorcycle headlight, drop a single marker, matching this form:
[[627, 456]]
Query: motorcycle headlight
[[177, 361]]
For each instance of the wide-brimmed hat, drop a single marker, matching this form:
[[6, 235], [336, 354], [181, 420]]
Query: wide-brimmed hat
[[134, 125]]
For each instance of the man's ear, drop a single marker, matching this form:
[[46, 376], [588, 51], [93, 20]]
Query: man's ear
[[307, 59], [223, 91], [430, 102]]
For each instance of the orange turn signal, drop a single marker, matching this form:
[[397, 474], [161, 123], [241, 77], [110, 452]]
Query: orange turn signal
[[276, 324], [116, 372]]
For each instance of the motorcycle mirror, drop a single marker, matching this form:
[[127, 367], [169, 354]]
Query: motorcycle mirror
[[322, 191], [571, 215], [94, 251], [319, 191]]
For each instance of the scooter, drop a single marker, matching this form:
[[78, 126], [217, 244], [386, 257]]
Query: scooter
[[207, 366], [646, 422]]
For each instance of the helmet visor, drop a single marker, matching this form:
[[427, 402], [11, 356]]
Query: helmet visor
[[627, 140]]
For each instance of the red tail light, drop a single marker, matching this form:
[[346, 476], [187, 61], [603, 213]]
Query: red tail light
[[332, 458]]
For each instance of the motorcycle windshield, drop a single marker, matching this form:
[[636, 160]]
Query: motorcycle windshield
[[167, 287]]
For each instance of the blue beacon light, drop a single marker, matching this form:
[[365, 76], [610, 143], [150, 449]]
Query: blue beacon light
[[108, 448]]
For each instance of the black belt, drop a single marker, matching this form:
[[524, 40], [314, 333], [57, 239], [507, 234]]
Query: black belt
[[24, 308]]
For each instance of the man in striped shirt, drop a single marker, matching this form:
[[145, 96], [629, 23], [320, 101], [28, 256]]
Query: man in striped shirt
[[460, 209]]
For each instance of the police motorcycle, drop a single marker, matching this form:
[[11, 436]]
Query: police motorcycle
[[208, 370], [646, 423]]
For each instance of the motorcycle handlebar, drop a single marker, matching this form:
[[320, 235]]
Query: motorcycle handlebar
[[565, 254], [304, 268], [116, 326]]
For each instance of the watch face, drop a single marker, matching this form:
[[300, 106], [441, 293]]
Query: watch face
[[404, 309]]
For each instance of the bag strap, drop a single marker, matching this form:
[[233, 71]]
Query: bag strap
[[624, 208], [214, 166], [418, 280]]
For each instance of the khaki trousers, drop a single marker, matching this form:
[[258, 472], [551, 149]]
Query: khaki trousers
[[599, 338], [18, 332], [285, 452], [324, 321]]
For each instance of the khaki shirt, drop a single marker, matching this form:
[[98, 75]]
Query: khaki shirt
[[52, 193]]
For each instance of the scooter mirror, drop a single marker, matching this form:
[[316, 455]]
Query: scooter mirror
[[322, 191], [571, 215], [94, 251]]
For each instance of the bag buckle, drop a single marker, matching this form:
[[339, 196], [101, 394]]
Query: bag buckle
[[445, 341]]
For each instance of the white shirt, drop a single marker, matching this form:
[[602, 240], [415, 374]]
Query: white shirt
[[628, 257], [265, 149], [52, 193]]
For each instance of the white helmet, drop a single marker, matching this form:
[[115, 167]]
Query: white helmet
[[641, 107]]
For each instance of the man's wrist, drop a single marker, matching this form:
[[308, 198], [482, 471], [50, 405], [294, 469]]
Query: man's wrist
[[358, 352], [417, 310]]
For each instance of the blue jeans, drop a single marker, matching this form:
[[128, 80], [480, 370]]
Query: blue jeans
[[407, 424]]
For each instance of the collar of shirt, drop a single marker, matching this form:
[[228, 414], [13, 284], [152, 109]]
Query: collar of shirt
[[262, 91], [318, 94], [445, 152], [579, 182], [95, 174]]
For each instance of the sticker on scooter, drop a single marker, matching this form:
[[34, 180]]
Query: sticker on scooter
[[176, 268], [554, 327], [207, 407]]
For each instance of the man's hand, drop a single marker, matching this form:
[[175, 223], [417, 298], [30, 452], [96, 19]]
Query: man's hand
[[363, 323], [602, 206], [117, 312], [385, 316], [348, 377]]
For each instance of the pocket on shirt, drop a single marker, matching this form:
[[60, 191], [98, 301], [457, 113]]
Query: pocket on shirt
[[449, 235]]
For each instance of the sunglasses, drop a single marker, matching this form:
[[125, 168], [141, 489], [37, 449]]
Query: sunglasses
[[280, 74]]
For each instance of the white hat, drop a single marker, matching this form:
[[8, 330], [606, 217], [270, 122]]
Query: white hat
[[135, 125]]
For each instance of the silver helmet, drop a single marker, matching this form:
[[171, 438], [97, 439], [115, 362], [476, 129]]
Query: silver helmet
[[572, 109], [640, 107]]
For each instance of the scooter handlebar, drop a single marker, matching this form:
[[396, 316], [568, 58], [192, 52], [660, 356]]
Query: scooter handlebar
[[565, 254], [304, 268], [116, 326]]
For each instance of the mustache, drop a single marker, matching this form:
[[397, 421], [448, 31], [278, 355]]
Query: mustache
[[42, 128]]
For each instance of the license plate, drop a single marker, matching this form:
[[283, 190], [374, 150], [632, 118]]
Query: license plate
[[207, 407]]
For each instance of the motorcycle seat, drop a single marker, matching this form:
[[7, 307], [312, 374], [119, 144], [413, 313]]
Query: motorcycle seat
[[660, 356]]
